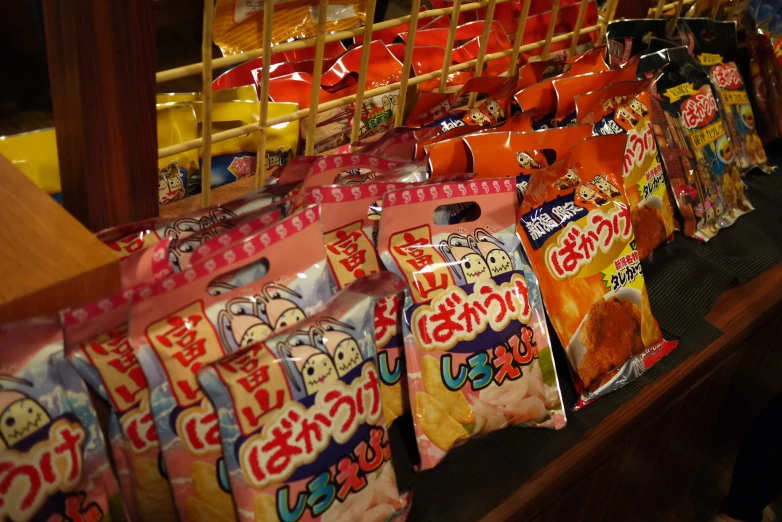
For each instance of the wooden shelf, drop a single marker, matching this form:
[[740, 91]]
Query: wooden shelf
[[48, 260]]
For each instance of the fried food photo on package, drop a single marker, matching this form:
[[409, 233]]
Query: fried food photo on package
[[228, 301], [53, 460], [579, 237], [477, 349], [309, 441], [625, 108], [97, 346]]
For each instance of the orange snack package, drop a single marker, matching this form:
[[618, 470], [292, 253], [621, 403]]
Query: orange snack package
[[576, 229], [238, 24], [625, 108]]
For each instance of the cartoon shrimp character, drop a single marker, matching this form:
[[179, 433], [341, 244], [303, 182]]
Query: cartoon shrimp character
[[340, 345], [280, 311], [570, 179], [604, 187], [626, 118], [314, 365], [638, 108], [491, 249], [526, 161], [477, 117], [589, 195], [495, 111], [466, 258], [240, 324], [20, 415]]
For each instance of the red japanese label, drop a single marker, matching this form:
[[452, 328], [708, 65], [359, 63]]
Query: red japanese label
[[28, 479], [199, 429], [454, 316], [139, 427], [700, 109], [577, 247], [351, 254], [727, 76], [297, 435], [386, 313], [420, 262], [258, 390], [183, 342], [112, 356]]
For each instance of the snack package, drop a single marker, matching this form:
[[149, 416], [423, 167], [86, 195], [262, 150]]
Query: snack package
[[709, 191], [175, 254], [628, 38], [238, 24], [569, 87], [537, 26], [350, 218], [236, 158], [126, 240], [96, 338], [227, 302], [576, 229], [476, 345], [53, 462], [448, 110], [715, 47], [520, 154], [348, 169], [176, 123], [316, 387], [625, 108]]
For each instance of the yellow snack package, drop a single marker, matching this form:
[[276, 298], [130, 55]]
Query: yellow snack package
[[235, 158], [176, 123], [238, 25], [243, 93], [35, 154]]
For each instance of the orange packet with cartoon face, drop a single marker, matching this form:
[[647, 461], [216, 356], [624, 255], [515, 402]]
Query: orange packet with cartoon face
[[625, 108], [568, 88], [576, 229]]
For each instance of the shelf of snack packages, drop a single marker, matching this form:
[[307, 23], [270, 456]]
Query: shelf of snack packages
[[340, 342]]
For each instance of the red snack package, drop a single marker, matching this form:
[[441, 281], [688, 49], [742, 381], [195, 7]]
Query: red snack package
[[471, 302], [576, 229], [351, 218], [625, 108], [327, 409], [96, 344], [537, 27], [187, 320]]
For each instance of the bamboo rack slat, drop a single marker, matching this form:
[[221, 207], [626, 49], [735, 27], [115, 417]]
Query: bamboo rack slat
[[298, 115], [410, 44], [206, 97], [482, 50], [521, 24], [550, 32], [320, 42], [362, 72], [577, 28], [260, 157], [457, 4]]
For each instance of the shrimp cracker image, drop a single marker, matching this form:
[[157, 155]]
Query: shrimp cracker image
[[53, 462], [228, 301], [476, 345], [351, 220], [97, 345], [301, 417], [579, 238], [624, 108]]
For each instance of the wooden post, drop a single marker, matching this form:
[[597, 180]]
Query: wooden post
[[102, 72]]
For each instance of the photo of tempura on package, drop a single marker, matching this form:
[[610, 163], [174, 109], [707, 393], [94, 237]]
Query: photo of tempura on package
[[96, 344], [308, 440], [53, 461], [577, 231], [476, 344], [228, 301]]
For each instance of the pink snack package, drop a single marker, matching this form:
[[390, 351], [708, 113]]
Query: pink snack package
[[96, 344], [301, 417], [185, 321], [343, 169], [175, 254], [53, 462], [127, 239], [477, 349], [351, 218]]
